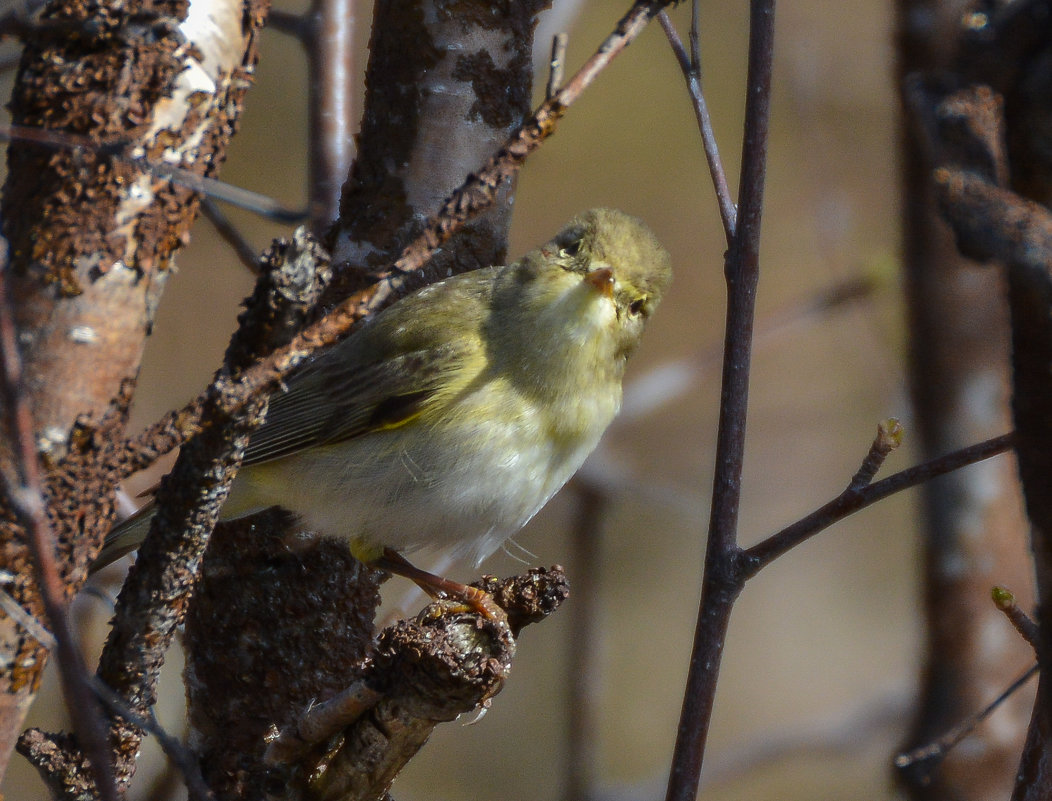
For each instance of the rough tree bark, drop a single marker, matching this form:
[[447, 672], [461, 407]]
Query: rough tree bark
[[92, 235]]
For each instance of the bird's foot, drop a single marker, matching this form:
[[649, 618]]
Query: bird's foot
[[473, 598]]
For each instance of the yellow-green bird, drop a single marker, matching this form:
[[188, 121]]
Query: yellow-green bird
[[449, 419]]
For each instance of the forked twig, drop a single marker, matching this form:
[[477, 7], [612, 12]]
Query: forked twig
[[851, 500], [691, 69], [722, 579], [934, 752]]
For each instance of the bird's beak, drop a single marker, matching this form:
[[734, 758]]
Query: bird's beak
[[602, 280]]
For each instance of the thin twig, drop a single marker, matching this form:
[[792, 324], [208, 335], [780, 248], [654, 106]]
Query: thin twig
[[24, 492], [695, 37], [263, 205], [557, 65], [182, 757], [723, 578], [1005, 601], [290, 24], [30, 623], [933, 753], [851, 500], [256, 202], [728, 213], [889, 437], [473, 197], [229, 233]]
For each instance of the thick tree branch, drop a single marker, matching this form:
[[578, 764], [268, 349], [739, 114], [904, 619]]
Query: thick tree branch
[[992, 223], [92, 235], [153, 600]]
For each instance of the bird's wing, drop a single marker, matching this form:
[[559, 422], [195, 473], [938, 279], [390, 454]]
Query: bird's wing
[[318, 409], [382, 377]]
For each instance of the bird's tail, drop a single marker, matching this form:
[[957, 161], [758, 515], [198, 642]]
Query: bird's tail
[[125, 537]]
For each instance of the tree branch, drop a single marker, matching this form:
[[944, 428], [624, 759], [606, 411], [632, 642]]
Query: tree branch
[[723, 578], [855, 498]]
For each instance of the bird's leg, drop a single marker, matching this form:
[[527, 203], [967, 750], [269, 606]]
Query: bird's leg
[[438, 587]]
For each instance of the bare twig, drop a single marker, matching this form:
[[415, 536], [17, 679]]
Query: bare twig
[[475, 195], [933, 753], [557, 65], [27, 621], [182, 757], [851, 500], [889, 437], [695, 36], [692, 72], [723, 578], [226, 229], [256, 202], [1004, 600], [289, 23]]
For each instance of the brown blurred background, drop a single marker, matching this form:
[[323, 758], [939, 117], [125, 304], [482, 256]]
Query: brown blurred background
[[822, 653]]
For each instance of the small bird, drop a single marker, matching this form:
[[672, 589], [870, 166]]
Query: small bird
[[449, 419]]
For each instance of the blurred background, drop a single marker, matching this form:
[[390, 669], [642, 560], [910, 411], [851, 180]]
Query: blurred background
[[822, 657]]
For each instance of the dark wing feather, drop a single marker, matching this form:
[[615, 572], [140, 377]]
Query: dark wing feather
[[318, 409], [383, 375]]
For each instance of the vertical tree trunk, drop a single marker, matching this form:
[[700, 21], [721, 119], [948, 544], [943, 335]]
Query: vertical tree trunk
[[975, 533], [92, 236]]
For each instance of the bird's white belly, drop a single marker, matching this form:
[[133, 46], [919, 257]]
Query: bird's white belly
[[402, 489]]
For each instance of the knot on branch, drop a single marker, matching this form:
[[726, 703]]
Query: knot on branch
[[443, 663], [433, 668]]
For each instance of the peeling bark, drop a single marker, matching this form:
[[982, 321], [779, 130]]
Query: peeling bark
[[447, 83]]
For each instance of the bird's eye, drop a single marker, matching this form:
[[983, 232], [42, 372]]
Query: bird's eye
[[637, 306], [572, 248]]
